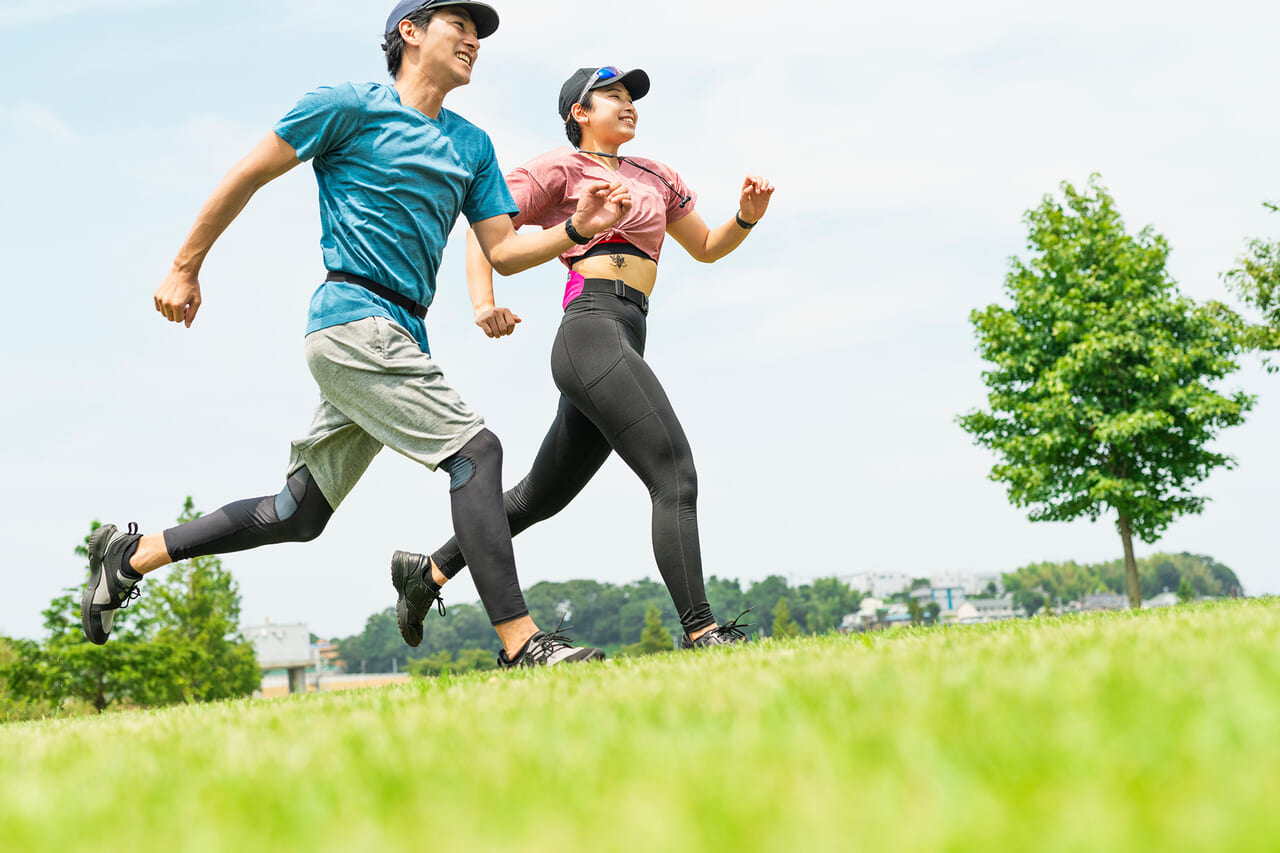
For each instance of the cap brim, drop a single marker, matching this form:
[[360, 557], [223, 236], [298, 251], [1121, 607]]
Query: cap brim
[[636, 81], [484, 16]]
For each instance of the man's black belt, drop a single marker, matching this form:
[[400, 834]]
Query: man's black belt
[[618, 288], [416, 309]]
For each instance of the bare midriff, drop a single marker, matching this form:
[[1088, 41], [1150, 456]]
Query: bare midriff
[[640, 273]]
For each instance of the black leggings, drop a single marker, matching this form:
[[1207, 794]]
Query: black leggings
[[611, 400], [300, 512]]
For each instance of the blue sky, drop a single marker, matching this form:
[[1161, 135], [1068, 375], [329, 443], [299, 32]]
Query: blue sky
[[818, 370]]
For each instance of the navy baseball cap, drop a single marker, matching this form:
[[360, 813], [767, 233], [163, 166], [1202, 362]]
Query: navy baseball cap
[[484, 16], [585, 79]]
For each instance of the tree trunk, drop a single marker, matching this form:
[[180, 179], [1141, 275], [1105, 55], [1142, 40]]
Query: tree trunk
[[1130, 565]]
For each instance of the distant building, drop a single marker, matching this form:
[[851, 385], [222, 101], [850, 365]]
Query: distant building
[[291, 663], [877, 584], [948, 597], [1105, 601], [284, 647], [852, 622], [277, 683], [978, 610], [1164, 599], [867, 615], [327, 656], [973, 583], [897, 614], [886, 584]]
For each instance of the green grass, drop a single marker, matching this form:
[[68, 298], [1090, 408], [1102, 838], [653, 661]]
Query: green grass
[[1158, 730]]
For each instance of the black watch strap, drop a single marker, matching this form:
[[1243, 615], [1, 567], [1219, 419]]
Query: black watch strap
[[573, 233], [742, 223]]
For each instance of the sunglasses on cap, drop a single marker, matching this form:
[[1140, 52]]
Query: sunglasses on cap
[[606, 73]]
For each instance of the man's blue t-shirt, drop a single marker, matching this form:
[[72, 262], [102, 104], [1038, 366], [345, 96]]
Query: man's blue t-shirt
[[392, 182]]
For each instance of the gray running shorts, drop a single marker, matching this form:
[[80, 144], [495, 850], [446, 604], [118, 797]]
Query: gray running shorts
[[377, 388]]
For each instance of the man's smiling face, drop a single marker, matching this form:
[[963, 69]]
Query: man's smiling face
[[451, 44]]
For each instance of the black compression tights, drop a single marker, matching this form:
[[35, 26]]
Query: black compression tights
[[300, 512], [611, 400]]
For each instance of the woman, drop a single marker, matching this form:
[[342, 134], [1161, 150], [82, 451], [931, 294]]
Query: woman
[[610, 399]]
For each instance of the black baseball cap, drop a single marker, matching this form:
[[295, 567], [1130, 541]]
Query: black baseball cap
[[484, 16], [573, 90]]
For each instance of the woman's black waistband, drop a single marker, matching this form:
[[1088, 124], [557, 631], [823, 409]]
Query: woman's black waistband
[[618, 247], [618, 288], [415, 308]]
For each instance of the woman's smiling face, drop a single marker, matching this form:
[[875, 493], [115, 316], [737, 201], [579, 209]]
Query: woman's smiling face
[[612, 116]]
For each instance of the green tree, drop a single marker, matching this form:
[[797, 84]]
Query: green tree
[[1029, 600], [914, 610], [478, 659], [1256, 280], [432, 665], [830, 600], [770, 589], [1185, 592], [179, 643], [931, 611], [75, 673], [782, 624], [1100, 387], [194, 617], [655, 637], [374, 649], [1071, 581], [726, 598], [21, 694]]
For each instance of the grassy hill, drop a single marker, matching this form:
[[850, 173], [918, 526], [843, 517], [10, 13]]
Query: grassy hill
[[1157, 730]]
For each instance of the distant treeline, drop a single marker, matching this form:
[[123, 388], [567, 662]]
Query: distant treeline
[[606, 615], [612, 616], [1072, 581]]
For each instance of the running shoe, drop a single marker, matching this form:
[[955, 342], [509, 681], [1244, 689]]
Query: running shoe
[[108, 589], [410, 575], [548, 649], [728, 634]]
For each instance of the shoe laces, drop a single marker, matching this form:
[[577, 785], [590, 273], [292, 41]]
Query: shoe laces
[[131, 595], [425, 574], [733, 628], [550, 642], [134, 591]]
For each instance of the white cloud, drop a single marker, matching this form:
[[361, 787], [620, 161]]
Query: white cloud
[[19, 12], [38, 122]]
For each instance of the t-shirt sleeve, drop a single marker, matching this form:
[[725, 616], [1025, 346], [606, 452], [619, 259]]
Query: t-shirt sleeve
[[536, 207], [321, 121], [674, 211], [487, 196]]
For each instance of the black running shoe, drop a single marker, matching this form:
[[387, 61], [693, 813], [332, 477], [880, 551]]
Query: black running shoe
[[409, 575], [728, 634], [548, 649], [108, 589]]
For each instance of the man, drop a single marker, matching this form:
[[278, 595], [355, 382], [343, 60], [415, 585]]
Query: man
[[394, 168]]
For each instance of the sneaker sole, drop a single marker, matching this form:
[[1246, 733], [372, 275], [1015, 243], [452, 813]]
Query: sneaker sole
[[399, 578], [97, 550], [594, 654]]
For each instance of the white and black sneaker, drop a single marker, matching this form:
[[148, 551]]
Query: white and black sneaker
[[109, 587], [548, 649], [728, 634]]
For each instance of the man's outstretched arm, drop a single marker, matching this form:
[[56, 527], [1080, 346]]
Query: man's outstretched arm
[[178, 296], [601, 206]]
